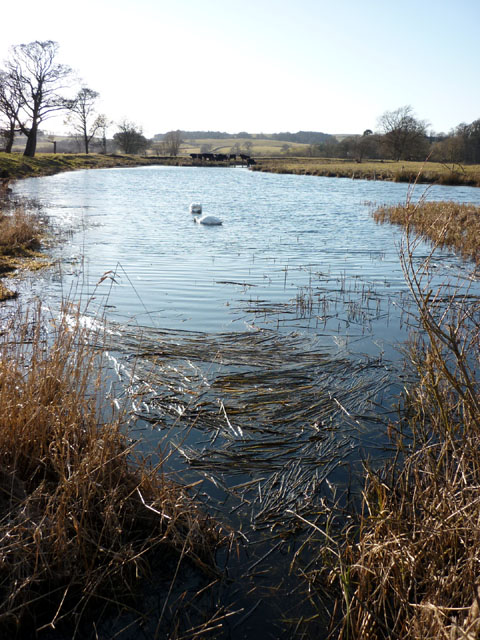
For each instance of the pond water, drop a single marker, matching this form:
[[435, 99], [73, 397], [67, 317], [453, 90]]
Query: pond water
[[265, 350]]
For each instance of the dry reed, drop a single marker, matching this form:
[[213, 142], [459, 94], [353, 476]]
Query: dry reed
[[80, 512], [413, 560], [20, 236], [446, 224], [20, 232]]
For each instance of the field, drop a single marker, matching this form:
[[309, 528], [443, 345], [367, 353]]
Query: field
[[251, 146], [403, 171]]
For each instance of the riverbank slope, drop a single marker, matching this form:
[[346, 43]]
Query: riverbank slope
[[422, 172], [14, 166]]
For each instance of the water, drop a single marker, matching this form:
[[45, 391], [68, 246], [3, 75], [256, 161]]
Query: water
[[270, 344], [284, 238]]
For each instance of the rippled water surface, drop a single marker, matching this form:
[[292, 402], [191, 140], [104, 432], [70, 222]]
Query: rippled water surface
[[277, 230], [269, 344]]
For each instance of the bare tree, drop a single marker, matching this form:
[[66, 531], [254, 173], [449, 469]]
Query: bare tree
[[9, 109], [83, 117], [104, 124], [469, 134], [404, 135], [38, 80], [130, 138], [172, 142], [248, 146]]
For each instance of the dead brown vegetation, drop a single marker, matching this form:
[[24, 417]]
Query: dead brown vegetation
[[80, 512], [410, 569], [446, 224], [20, 235]]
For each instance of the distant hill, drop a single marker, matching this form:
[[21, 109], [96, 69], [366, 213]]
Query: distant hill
[[301, 137]]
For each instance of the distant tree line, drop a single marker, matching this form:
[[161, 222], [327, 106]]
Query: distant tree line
[[402, 136], [301, 137]]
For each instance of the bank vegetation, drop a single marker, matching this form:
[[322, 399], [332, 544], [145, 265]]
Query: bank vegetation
[[403, 171], [406, 566], [20, 239]]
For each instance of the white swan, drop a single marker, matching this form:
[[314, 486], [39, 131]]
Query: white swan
[[209, 220], [195, 208]]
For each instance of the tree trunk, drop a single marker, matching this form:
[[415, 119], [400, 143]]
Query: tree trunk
[[9, 139], [31, 145]]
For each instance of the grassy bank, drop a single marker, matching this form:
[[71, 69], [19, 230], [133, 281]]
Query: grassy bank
[[428, 172], [17, 166]]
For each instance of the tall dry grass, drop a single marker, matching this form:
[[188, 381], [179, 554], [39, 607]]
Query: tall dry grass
[[80, 513], [446, 224], [414, 557], [410, 172], [20, 231], [20, 237]]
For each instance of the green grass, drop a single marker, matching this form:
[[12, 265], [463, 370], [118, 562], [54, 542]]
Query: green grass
[[260, 146], [19, 166]]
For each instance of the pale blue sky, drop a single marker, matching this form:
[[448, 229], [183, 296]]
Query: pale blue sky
[[265, 65]]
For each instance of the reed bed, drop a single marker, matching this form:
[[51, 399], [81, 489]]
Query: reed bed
[[407, 563], [82, 515], [21, 232], [446, 224], [411, 172]]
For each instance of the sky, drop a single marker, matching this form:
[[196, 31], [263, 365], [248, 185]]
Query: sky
[[264, 66]]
